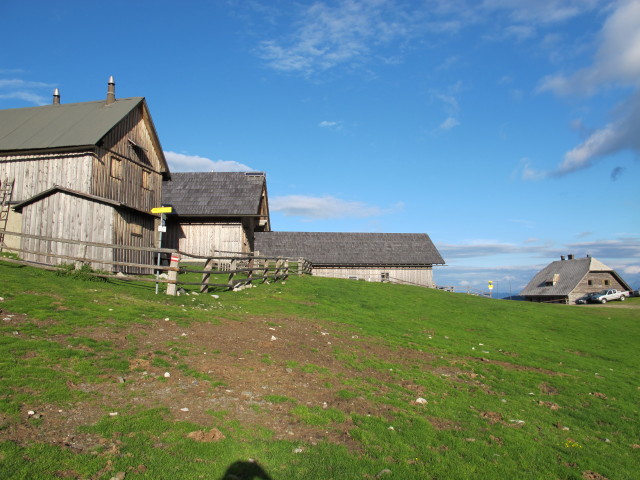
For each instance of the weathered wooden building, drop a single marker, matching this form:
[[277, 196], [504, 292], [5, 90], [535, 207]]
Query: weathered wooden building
[[215, 213], [375, 257], [87, 171], [565, 280]]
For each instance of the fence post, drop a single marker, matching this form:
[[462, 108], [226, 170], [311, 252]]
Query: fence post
[[250, 275], [266, 270], [204, 288], [300, 266], [232, 272], [286, 269], [172, 276]]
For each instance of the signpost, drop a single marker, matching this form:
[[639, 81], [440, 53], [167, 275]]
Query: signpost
[[162, 228]]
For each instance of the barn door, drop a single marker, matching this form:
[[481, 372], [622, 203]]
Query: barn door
[[231, 241]]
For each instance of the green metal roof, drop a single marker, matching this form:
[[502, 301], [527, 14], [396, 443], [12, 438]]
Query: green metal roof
[[64, 125]]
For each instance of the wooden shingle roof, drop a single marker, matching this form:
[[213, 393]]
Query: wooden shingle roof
[[561, 277], [351, 248], [75, 193], [214, 193]]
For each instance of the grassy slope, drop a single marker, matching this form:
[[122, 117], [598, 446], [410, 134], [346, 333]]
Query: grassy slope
[[516, 352]]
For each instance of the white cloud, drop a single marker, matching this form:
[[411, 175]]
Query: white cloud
[[450, 105], [616, 63], [449, 123], [448, 63], [625, 248], [331, 125], [179, 162], [482, 248], [529, 173], [542, 11], [449, 98], [26, 96], [617, 60], [520, 32], [329, 35], [619, 135], [317, 208], [19, 83], [19, 89]]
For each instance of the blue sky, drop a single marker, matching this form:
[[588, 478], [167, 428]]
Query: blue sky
[[507, 130]]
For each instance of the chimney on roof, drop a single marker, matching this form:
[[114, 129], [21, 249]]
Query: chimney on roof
[[56, 97], [111, 91], [570, 256], [562, 257]]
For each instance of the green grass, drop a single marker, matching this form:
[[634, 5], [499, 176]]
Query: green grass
[[513, 389]]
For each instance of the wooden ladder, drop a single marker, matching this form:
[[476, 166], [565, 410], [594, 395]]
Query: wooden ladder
[[6, 190]]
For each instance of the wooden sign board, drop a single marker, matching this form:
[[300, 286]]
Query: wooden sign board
[[162, 210]]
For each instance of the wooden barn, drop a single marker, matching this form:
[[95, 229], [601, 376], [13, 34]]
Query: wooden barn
[[375, 257], [87, 171], [215, 212], [565, 280]]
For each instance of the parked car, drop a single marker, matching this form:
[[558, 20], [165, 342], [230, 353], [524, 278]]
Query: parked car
[[608, 295], [586, 298], [635, 293]]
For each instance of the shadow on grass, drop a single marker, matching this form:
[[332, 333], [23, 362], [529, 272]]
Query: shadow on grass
[[245, 471]]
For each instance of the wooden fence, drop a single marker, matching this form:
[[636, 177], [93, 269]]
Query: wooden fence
[[239, 269]]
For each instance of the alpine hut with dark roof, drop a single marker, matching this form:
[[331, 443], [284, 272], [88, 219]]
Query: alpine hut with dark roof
[[215, 213], [87, 171], [564, 281], [376, 257]]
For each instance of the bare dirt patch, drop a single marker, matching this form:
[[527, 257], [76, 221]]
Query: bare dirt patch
[[254, 371], [589, 475], [547, 389], [213, 435]]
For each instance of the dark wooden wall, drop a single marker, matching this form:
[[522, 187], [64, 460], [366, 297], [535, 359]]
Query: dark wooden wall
[[135, 161], [137, 230]]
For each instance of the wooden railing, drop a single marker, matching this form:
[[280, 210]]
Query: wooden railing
[[239, 270], [83, 255]]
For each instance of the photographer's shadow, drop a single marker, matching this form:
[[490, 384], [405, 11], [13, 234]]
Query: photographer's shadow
[[245, 471]]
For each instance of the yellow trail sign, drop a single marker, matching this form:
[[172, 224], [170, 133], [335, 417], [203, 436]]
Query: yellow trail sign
[[162, 210]]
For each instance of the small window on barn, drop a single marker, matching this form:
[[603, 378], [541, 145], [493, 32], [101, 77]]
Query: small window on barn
[[136, 230], [146, 179], [384, 277], [116, 167], [353, 277], [606, 283], [139, 151], [553, 280], [590, 282]]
